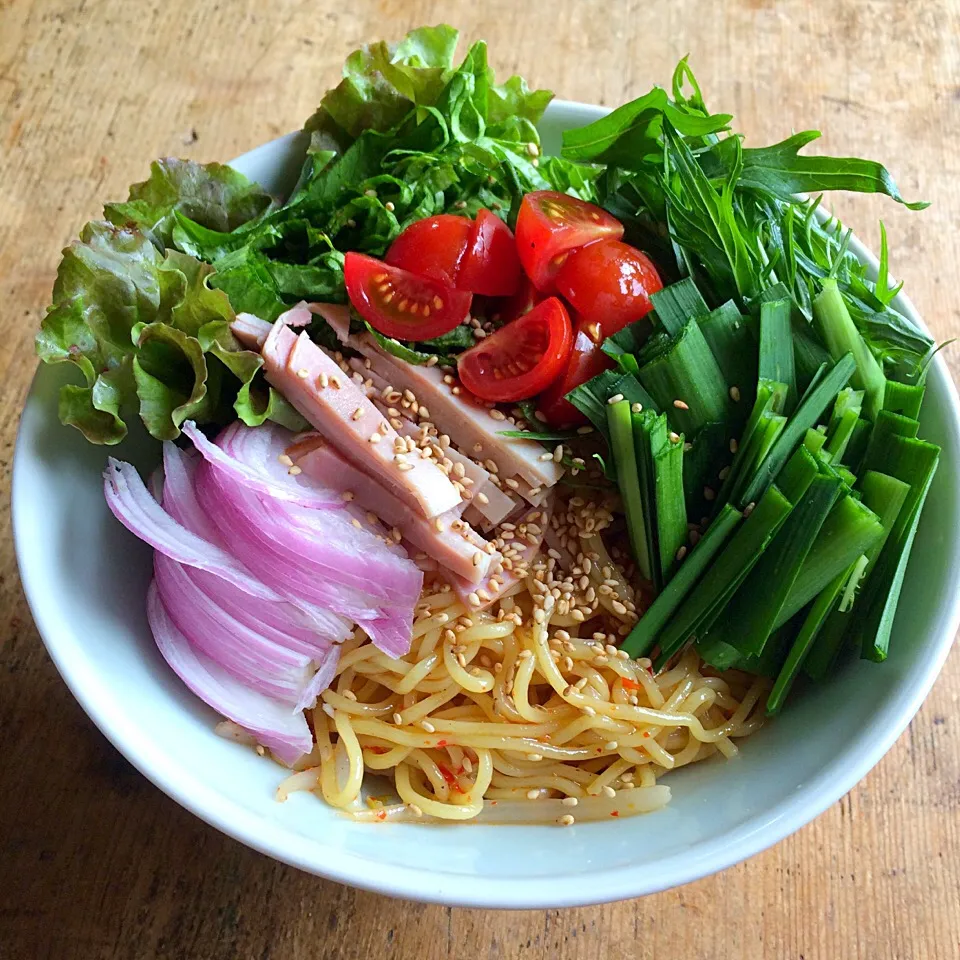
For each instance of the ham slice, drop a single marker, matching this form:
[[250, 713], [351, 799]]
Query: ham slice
[[449, 540], [454, 414], [520, 548], [329, 400]]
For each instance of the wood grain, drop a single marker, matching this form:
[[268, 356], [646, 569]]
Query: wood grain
[[97, 863]]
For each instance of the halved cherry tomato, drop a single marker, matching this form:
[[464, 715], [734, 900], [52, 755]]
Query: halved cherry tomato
[[432, 247], [586, 361], [401, 304], [491, 265], [550, 225], [520, 359], [610, 282]]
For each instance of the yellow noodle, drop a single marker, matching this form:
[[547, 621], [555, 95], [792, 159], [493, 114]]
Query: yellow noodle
[[483, 709]]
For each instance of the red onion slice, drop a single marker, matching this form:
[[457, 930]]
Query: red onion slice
[[290, 488], [255, 661], [131, 503], [272, 723]]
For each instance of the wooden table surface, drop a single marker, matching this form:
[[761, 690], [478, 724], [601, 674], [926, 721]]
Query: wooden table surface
[[95, 862]]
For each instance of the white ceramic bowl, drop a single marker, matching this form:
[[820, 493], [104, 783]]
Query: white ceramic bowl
[[85, 578]]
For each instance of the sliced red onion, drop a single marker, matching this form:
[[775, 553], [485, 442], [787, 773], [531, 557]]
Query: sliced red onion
[[291, 488], [131, 503], [319, 555], [326, 671], [274, 724], [345, 569], [301, 622], [254, 660]]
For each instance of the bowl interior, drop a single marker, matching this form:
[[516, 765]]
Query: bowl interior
[[85, 577]]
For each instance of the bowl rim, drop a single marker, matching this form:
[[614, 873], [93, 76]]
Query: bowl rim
[[837, 778]]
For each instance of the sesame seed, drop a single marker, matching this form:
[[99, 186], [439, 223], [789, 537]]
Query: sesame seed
[[483, 498], [724, 473], [533, 794], [512, 484], [285, 460], [460, 204], [347, 495], [428, 726], [608, 791], [474, 599], [681, 405], [611, 745], [414, 809], [533, 149], [497, 414], [544, 457], [438, 525], [569, 801], [687, 447], [616, 398], [389, 205], [619, 607], [357, 414], [397, 719], [735, 394], [674, 437], [583, 431], [558, 453], [357, 523], [681, 553], [708, 493], [734, 446], [323, 380], [636, 407], [748, 509], [567, 820], [372, 193], [477, 559], [303, 373], [294, 471]]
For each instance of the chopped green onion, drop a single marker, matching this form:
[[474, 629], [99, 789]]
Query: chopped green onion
[[776, 348], [758, 605], [686, 383], [903, 398], [913, 462], [678, 303], [850, 529], [807, 414], [842, 337], [723, 578], [644, 635], [671, 507], [735, 348], [821, 608], [621, 442]]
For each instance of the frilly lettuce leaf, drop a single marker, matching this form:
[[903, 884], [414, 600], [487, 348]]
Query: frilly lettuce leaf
[[381, 84], [212, 194], [149, 334]]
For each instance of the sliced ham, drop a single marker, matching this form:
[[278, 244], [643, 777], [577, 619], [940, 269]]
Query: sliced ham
[[449, 540], [251, 331], [329, 400], [520, 548], [470, 422]]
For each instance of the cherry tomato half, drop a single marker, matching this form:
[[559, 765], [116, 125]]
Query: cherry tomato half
[[432, 247], [402, 304], [520, 359], [490, 265], [610, 282], [550, 225], [586, 361]]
